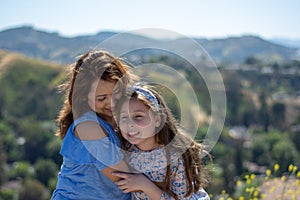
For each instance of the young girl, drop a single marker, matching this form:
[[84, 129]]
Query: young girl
[[169, 159], [90, 147]]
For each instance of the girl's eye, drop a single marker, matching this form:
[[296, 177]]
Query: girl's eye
[[139, 117], [124, 118]]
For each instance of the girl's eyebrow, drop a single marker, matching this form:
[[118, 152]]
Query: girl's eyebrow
[[138, 112]]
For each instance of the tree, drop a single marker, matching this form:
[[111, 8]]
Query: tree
[[3, 175], [36, 137], [248, 111], [9, 142], [285, 153], [45, 169], [251, 60], [278, 116], [272, 148], [234, 98], [21, 169], [33, 190], [264, 117], [9, 194]]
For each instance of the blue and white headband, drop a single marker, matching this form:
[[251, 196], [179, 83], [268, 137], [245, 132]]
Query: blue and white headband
[[136, 88]]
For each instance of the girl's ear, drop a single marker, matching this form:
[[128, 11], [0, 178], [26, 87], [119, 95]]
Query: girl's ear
[[157, 120]]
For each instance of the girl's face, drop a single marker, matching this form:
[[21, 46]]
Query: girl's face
[[100, 98], [138, 123]]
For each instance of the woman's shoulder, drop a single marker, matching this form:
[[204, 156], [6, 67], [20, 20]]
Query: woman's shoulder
[[88, 116], [90, 127]]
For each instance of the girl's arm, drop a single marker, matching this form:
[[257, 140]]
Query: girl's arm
[[138, 182]]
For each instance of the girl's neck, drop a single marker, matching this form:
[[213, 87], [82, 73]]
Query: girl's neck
[[147, 146]]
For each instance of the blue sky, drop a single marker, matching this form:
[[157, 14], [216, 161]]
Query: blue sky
[[197, 18]]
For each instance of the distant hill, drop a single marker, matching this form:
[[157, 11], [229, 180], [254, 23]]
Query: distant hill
[[53, 47], [287, 42], [28, 87]]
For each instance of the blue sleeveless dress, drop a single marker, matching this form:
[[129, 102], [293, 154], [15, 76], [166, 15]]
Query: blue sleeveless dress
[[80, 176]]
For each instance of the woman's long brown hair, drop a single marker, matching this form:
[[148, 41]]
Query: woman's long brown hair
[[89, 68]]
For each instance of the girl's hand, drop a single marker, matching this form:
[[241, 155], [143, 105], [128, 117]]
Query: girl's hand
[[131, 182], [138, 182]]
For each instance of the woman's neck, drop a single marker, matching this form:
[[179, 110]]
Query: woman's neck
[[109, 120]]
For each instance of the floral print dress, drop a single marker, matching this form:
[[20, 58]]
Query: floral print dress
[[153, 164]]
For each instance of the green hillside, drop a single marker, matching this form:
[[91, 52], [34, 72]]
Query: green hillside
[[29, 103], [28, 87]]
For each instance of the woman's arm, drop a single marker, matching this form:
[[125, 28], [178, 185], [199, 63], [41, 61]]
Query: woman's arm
[[110, 170], [90, 130]]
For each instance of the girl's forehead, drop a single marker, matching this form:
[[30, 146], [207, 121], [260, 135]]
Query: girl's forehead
[[134, 105]]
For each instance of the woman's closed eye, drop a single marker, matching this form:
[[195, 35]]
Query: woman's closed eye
[[102, 98]]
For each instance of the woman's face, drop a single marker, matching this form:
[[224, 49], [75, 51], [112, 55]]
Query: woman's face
[[100, 98], [138, 124]]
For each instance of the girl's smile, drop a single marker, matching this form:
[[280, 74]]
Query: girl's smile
[[138, 124]]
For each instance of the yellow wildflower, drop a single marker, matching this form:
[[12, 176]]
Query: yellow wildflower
[[298, 174], [252, 176], [268, 172], [291, 168], [239, 183], [241, 198], [295, 169], [272, 189], [248, 181], [276, 167], [283, 178]]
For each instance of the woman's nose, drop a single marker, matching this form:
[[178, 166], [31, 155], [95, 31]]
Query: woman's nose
[[110, 101]]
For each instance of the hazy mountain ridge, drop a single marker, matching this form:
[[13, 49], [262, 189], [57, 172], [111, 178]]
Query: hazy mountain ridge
[[56, 48], [287, 42]]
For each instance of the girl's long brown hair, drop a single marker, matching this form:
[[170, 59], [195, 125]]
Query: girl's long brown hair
[[89, 68], [177, 141]]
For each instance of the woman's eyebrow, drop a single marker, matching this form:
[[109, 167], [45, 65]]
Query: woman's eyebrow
[[101, 95]]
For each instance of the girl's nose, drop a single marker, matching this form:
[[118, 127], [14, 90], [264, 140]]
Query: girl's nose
[[131, 123]]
